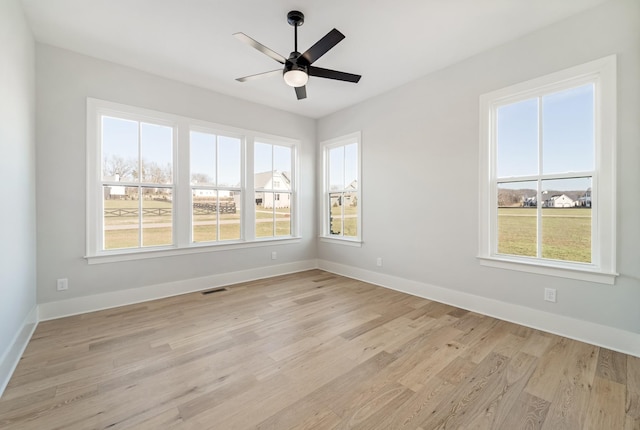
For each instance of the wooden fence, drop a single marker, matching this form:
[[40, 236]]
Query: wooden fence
[[198, 209]]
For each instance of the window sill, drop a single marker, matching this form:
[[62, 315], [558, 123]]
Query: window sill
[[550, 268], [129, 255], [347, 242]]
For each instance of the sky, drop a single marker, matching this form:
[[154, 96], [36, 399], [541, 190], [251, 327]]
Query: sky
[[221, 164], [567, 124], [343, 166]]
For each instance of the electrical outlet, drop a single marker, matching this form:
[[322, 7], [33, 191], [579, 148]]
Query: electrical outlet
[[550, 294], [274, 255], [379, 261], [62, 284]]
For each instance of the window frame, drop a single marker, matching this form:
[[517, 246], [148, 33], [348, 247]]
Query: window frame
[[602, 269], [326, 146], [293, 197], [181, 185], [242, 189]]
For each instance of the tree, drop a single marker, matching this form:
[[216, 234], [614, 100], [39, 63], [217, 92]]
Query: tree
[[155, 174], [200, 178], [116, 165]]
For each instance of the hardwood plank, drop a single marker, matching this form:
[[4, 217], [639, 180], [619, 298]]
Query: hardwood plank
[[573, 388], [544, 381], [612, 365], [528, 413], [454, 411], [416, 408], [632, 401], [606, 406]]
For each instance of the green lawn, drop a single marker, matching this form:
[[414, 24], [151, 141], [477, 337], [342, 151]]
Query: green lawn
[[350, 227], [566, 233]]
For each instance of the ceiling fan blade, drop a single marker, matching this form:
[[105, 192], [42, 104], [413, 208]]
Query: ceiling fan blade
[[301, 92], [321, 47], [260, 47], [332, 74], [260, 75]]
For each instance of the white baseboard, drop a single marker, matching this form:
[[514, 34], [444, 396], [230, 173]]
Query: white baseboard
[[584, 331], [96, 302], [12, 355]]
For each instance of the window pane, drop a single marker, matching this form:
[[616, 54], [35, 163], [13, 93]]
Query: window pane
[[229, 159], [263, 166], [351, 166], [283, 214], [264, 214], [336, 168], [517, 218], [121, 217], [350, 211], [566, 225], [203, 158], [568, 135], [517, 139], [229, 214], [204, 215], [263, 158], [156, 148], [157, 216], [119, 149], [335, 214], [282, 158]]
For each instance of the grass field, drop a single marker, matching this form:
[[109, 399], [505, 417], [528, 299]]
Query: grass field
[[566, 233], [123, 231], [350, 227]]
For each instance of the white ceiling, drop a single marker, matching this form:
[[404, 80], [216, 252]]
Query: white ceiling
[[388, 42]]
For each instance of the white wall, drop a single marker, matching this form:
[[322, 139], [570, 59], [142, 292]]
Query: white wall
[[17, 176], [424, 135], [64, 80]]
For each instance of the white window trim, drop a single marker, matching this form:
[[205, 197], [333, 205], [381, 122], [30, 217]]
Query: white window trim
[[294, 201], [182, 185], [603, 267], [324, 204]]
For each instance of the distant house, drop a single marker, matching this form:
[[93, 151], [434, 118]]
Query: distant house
[[114, 191], [559, 201], [275, 181], [530, 201], [585, 199]]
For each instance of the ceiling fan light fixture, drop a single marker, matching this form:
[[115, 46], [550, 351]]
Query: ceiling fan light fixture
[[296, 78]]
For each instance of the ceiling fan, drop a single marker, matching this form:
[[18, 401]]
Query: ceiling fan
[[298, 67]]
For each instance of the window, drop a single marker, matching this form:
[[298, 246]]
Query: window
[[341, 196], [160, 184], [137, 183], [273, 184], [216, 186], [548, 174]]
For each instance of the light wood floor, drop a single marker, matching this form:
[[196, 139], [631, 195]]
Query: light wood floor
[[316, 351]]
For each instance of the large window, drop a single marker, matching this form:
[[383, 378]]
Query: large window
[[163, 183], [548, 174], [216, 186], [137, 183], [272, 182], [341, 195]]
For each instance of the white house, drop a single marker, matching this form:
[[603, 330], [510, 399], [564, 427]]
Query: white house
[[114, 191], [276, 181], [560, 201]]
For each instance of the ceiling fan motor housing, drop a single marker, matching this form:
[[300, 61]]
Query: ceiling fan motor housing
[[295, 18]]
